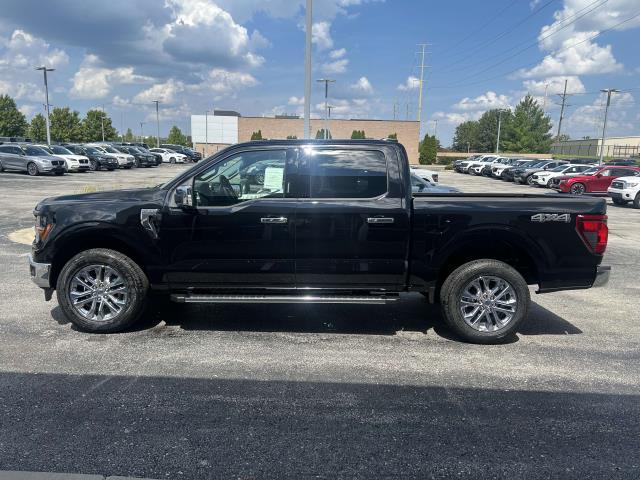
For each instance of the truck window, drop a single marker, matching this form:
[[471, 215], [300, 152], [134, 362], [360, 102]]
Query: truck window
[[242, 177], [347, 174]]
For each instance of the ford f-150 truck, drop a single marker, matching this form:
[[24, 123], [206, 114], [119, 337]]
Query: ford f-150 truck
[[324, 222]]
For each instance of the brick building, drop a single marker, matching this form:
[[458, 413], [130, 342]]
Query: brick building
[[214, 132]]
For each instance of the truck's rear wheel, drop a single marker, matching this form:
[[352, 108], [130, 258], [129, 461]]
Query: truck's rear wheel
[[636, 201], [102, 291], [484, 301]]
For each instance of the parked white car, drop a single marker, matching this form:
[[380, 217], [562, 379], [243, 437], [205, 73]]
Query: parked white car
[[624, 190], [476, 168], [169, 156], [543, 177], [75, 163], [428, 175], [124, 159]]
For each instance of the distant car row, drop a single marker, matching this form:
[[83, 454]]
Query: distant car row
[[37, 159], [621, 179]]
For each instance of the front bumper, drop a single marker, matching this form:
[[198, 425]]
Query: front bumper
[[626, 195], [602, 276], [40, 273]]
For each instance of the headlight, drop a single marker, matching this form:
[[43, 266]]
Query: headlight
[[43, 227], [631, 185]]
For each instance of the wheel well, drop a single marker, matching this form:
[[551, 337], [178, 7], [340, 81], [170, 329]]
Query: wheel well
[[503, 250], [80, 243]]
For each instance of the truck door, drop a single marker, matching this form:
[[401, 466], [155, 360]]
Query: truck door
[[352, 223], [240, 232]]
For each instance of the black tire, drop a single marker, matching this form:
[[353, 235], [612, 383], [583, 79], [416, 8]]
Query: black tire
[[111, 169], [636, 201], [32, 169], [1, 167], [578, 188], [59, 173], [530, 180], [618, 201], [454, 286], [93, 165], [172, 160], [136, 280], [137, 163]]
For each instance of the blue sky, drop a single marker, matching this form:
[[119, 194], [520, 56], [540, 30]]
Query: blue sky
[[247, 55]]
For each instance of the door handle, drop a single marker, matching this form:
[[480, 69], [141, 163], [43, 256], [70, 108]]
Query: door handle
[[380, 220], [272, 220]]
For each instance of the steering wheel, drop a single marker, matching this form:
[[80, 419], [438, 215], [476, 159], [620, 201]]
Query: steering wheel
[[227, 189]]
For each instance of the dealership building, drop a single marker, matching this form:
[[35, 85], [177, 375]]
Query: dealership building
[[617, 147], [211, 133]]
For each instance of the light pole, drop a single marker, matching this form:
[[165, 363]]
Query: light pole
[[499, 125], [608, 91], [206, 129], [307, 69], [157, 124], [102, 122], [326, 81], [141, 132], [46, 96], [468, 148], [435, 129]]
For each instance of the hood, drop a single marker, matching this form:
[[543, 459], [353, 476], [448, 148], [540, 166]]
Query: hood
[[141, 195], [43, 157]]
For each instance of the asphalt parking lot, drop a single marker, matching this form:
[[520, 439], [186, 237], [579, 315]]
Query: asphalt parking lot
[[281, 391]]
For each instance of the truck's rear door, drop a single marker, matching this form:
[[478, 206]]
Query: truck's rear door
[[352, 224]]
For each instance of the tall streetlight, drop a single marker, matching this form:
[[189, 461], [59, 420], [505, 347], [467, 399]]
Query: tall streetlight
[[206, 129], [307, 69], [157, 123], [141, 132], [102, 122], [46, 96], [499, 126], [326, 81], [608, 91]]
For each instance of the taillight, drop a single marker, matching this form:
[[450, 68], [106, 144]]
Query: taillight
[[594, 232]]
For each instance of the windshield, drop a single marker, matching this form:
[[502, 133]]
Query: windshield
[[36, 151], [560, 168], [92, 151], [110, 149], [57, 149], [591, 171]]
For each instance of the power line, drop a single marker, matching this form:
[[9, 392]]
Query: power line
[[564, 99], [457, 85]]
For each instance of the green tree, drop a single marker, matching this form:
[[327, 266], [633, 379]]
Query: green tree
[[392, 136], [466, 136], [428, 149], [38, 128], [12, 121], [358, 134], [65, 125], [488, 129], [92, 126], [256, 135], [528, 129], [128, 136], [320, 134], [176, 136]]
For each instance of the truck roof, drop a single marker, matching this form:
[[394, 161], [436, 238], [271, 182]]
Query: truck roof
[[301, 141]]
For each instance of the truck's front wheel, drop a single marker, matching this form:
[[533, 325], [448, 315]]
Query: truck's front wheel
[[102, 291], [484, 301]]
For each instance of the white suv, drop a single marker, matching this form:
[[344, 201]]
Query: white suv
[[625, 189], [543, 177], [428, 175]]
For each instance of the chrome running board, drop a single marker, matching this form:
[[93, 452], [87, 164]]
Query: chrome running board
[[353, 299]]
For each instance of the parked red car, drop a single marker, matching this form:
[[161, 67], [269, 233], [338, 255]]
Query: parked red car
[[594, 180]]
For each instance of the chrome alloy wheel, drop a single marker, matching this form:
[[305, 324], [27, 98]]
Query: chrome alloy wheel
[[488, 303], [98, 292]]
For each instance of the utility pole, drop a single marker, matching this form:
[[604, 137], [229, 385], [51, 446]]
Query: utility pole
[[102, 122], [326, 81], [422, 67], [544, 105], [395, 109], [468, 148], [141, 132], [122, 126], [329, 107], [435, 130], [46, 96], [206, 128], [499, 125], [608, 91], [157, 123], [307, 69], [564, 99]]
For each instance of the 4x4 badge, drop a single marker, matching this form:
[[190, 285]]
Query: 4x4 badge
[[551, 217]]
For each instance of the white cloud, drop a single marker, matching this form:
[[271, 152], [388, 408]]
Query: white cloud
[[553, 85], [295, 101], [321, 35], [486, 101], [92, 80], [412, 83], [338, 66], [456, 118], [588, 119], [572, 50], [335, 54], [363, 86]]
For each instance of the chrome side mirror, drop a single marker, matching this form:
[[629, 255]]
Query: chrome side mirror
[[183, 197]]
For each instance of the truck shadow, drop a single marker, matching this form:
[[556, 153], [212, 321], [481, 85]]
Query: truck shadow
[[411, 314]]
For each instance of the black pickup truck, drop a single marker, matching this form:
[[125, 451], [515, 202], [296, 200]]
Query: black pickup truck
[[315, 222]]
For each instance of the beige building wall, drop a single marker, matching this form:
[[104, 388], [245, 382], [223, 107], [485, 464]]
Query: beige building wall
[[279, 128]]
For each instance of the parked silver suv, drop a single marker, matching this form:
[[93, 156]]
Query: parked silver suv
[[29, 158]]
